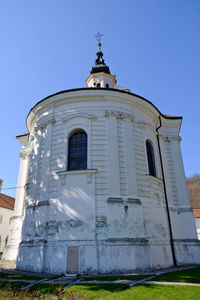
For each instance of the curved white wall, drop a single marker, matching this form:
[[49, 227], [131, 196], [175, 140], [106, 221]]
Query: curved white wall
[[111, 217]]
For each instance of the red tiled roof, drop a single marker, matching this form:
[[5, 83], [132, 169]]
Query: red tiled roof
[[196, 212], [7, 201]]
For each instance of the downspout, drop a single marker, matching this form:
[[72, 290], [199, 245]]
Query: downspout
[[166, 200]]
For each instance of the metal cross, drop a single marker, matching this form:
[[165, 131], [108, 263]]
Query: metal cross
[[98, 36]]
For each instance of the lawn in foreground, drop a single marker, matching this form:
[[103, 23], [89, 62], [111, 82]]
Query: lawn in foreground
[[115, 278], [18, 276], [190, 275], [99, 292], [140, 292]]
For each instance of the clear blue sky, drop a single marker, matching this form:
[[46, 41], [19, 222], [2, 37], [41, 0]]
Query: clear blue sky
[[48, 45]]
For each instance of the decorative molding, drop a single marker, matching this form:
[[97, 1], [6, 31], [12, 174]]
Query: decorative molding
[[128, 240], [78, 115], [173, 209], [89, 177], [88, 172], [42, 125], [38, 203], [168, 139], [119, 115], [25, 153], [195, 241], [101, 221], [31, 243], [134, 201], [185, 209], [115, 200], [13, 218], [51, 227], [180, 210], [144, 125]]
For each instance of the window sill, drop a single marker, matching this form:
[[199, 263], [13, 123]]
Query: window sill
[[153, 179], [76, 172]]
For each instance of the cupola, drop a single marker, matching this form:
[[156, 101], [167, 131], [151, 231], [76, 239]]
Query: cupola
[[100, 76]]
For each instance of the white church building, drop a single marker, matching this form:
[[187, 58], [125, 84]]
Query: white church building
[[105, 189]]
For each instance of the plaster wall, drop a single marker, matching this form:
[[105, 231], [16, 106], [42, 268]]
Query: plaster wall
[[5, 215], [197, 223], [114, 212]]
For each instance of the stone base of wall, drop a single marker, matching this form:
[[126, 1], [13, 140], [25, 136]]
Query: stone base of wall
[[108, 256], [91, 257], [187, 251], [161, 255]]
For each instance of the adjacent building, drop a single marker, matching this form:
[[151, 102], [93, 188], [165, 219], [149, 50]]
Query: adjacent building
[[6, 212], [193, 184]]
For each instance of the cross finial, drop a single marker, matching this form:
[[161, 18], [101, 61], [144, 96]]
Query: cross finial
[[98, 36]]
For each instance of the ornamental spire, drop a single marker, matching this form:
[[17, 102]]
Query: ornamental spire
[[100, 65]]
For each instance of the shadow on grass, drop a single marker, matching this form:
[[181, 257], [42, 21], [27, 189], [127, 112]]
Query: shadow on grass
[[190, 275], [18, 276], [101, 287], [114, 278]]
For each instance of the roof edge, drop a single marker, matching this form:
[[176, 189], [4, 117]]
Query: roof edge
[[106, 89]]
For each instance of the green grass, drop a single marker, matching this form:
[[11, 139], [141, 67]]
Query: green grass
[[190, 275], [115, 278], [18, 276], [12, 290], [140, 292]]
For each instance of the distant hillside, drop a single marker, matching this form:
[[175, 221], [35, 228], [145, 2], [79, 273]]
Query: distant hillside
[[193, 184]]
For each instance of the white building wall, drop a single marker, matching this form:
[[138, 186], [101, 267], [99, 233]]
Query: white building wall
[[114, 210], [183, 226], [15, 226], [5, 215], [197, 222]]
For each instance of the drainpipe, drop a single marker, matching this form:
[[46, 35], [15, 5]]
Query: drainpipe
[[166, 200]]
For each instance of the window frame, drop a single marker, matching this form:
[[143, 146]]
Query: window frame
[[150, 155], [78, 158]]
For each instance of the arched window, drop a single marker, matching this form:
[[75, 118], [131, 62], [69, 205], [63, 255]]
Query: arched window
[[150, 158], [77, 151], [107, 85], [98, 85]]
